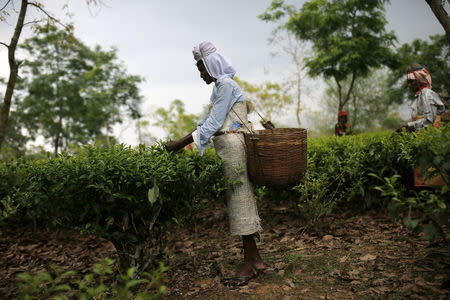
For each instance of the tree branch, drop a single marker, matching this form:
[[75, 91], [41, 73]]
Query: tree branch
[[32, 22], [4, 6], [347, 97], [339, 92], [442, 16], [47, 14], [6, 45]]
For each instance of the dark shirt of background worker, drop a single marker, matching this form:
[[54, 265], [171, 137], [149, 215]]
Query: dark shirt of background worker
[[343, 127]]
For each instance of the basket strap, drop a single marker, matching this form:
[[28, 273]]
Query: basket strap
[[242, 121], [254, 142], [255, 151]]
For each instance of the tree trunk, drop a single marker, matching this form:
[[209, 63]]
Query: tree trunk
[[350, 89], [56, 145], [13, 71], [355, 112], [438, 9], [341, 104]]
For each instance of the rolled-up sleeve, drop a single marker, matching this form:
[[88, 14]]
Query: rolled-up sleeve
[[221, 106]]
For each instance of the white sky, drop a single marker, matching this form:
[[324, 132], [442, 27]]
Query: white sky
[[154, 39]]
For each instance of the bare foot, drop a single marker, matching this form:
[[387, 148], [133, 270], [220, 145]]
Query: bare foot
[[246, 270], [259, 266]]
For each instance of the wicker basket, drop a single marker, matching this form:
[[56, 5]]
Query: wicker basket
[[276, 156], [445, 117]]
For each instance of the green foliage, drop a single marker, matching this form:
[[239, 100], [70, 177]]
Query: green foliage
[[105, 191], [347, 172], [70, 93], [132, 196], [426, 210], [96, 284], [434, 54], [338, 168], [269, 98], [348, 37], [175, 122]]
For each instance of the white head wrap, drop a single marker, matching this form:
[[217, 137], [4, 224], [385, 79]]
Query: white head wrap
[[216, 64]]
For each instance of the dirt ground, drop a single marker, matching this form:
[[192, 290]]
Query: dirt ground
[[365, 256]]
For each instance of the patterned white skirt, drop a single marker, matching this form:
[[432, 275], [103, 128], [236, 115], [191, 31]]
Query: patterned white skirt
[[241, 203]]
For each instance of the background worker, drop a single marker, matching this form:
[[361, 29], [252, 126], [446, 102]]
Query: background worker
[[427, 104], [342, 127]]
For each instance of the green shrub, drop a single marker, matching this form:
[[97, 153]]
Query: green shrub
[[340, 168], [105, 191], [101, 283]]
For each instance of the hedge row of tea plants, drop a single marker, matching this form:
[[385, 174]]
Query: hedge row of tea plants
[[126, 195], [130, 195], [376, 170]]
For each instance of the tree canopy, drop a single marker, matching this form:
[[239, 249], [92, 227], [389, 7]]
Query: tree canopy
[[348, 37], [434, 54], [71, 93]]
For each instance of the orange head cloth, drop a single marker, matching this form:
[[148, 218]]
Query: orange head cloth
[[419, 73]]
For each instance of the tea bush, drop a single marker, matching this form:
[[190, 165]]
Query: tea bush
[[131, 196], [98, 284], [344, 171], [126, 195]]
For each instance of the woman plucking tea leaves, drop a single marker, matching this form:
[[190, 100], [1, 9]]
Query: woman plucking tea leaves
[[427, 105], [225, 123]]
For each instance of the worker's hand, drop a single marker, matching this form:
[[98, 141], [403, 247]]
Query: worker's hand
[[173, 146], [179, 144], [400, 128]]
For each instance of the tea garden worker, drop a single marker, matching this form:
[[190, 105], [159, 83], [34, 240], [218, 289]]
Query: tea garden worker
[[342, 127], [427, 105], [425, 111], [226, 121]]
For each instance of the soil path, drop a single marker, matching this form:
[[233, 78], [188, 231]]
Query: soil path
[[364, 256]]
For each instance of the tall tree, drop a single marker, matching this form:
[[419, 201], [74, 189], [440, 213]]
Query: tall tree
[[348, 37], [437, 6], [71, 93], [12, 47], [295, 49], [13, 67]]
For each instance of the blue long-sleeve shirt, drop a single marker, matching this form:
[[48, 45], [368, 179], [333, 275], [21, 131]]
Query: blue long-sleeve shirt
[[226, 92]]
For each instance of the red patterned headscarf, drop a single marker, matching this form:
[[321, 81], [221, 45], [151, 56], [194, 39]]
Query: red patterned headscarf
[[418, 72]]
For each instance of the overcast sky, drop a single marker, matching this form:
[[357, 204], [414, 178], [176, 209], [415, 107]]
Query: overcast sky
[[155, 38]]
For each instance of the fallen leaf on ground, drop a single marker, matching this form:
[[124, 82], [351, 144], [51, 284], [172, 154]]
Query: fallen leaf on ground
[[368, 257], [327, 238], [343, 259]]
